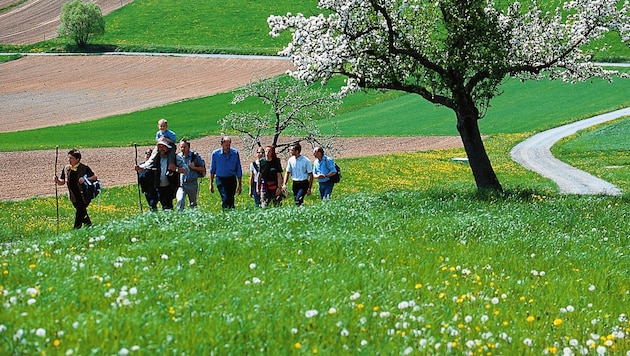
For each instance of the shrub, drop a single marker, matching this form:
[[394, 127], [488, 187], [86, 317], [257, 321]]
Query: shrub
[[82, 21]]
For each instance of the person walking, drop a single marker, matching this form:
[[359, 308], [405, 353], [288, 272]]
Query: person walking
[[75, 175], [167, 184], [270, 178], [299, 169], [254, 168], [225, 168], [148, 183], [323, 169], [188, 183]]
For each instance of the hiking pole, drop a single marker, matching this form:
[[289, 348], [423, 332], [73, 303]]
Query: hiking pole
[[135, 146], [56, 190]]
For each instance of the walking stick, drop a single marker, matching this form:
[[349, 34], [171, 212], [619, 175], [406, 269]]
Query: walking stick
[[56, 190], [135, 146]]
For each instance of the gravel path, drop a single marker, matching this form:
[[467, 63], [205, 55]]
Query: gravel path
[[535, 154]]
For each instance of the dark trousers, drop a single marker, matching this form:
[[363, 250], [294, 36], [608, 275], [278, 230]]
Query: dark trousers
[[299, 191], [227, 188], [81, 217], [149, 187], [152, 198], [166, 195]]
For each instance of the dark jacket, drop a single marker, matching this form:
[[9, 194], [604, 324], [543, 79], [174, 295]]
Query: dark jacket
[[82, 170]]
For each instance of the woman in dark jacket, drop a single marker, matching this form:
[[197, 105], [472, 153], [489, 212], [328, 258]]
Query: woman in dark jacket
[[271, 175], [74, 175]]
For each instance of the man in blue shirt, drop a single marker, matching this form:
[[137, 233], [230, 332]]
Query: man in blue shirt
[[225, 166], [323, 169]]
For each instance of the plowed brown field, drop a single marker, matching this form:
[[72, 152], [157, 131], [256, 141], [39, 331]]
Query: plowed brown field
[[37, 20]]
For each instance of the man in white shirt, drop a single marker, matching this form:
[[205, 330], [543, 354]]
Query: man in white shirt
[[301, 172]]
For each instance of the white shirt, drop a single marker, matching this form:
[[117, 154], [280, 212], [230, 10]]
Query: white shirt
[[299, 168]]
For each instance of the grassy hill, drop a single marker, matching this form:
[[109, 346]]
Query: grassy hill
[[406, 259]]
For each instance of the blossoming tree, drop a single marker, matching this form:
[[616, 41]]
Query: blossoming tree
[[454, 53], [294, 109]]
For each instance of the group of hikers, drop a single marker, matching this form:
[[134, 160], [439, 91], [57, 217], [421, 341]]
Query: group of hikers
[[166, 175]]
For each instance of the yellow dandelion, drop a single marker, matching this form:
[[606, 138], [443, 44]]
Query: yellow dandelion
[[375, 308], [360, 306], [56, 343], [315, 351], [557, 322], [530, 319], [31, 266], [418, 285], [298, 345], [506, 323]]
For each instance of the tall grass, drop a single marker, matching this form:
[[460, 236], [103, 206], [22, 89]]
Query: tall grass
[[407, 261], [431, 272]]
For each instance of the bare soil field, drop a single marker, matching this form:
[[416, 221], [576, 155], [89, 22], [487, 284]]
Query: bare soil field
[[37, 20], [40, 91]]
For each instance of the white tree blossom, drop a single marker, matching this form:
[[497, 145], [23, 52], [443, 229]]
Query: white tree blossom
[[454, 53]]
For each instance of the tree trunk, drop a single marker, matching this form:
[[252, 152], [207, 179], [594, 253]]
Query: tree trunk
[[485, 178]]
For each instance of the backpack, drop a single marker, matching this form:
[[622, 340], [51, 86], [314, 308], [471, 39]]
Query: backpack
[[202, 163], [337, 177], [91, 189]]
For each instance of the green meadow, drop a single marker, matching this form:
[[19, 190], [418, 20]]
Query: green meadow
[[407, 258]]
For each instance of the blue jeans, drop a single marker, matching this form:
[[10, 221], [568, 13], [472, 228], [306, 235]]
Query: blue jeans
[[299, 191], [255, 196], [325, 189]]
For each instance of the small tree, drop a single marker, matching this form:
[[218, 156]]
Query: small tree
[[294, 111], [82, 21]]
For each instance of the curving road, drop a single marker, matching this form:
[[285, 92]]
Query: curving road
[[535, 154]]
